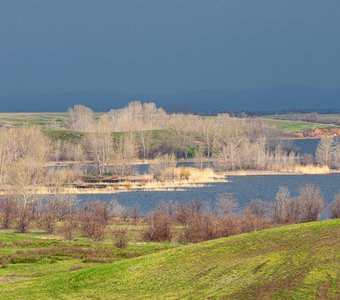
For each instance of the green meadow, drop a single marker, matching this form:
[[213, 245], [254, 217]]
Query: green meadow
[[292, 262]]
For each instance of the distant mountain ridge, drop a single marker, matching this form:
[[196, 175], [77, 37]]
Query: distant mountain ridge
[[270, 99]]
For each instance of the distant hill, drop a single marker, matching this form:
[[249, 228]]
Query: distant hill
[[256, 100], [291, 262]]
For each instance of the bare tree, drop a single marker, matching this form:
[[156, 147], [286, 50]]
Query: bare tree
[[163, 167], [8, 208], [69, 227], [80, 118], [209, 130], [226, 204], [323, 151], [144, 139], [58, 207], [334, 207], [100, 145], [281, 205], [27, 170], [116, 209], [47, 218], [254, 216], [311, 203], [230, 145], [93, 220], [120, 237], [199, 156], [6, 152], [135, 213], [125, 152], [168, 208], [258, 208], [201, 227], [259, 153], [335, 156], [20, 144], [25, 175], [137, 117], [159, 228], [182, 126]]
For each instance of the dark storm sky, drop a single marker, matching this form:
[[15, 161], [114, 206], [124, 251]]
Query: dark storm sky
[[49, 46]]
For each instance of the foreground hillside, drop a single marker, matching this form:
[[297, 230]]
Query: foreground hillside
[[293, 262]]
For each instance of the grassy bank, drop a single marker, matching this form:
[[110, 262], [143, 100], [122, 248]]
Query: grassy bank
[[293, 262], [288, 126], [39, 119], [36, 255]]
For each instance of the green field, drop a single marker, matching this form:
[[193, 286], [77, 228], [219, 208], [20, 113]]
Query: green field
[[292, 126], [292, 262], [40, 119]]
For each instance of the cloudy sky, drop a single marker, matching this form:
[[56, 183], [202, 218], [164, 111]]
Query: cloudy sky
[[49, 46]]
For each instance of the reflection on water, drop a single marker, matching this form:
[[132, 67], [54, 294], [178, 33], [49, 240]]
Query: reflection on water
[[306, 146], [301, 146]]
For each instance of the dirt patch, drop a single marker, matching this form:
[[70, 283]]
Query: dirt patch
[[318, 133], [12, 279]]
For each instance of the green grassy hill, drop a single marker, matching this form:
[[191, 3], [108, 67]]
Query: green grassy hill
[[292, 262]]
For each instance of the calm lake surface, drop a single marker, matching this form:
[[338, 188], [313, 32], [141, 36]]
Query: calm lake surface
[[244, 188], [306, 146]]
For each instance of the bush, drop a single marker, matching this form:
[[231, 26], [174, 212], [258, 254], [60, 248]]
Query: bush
[[47, 221], [226, 204], [257, 208], [183, 214], [334, 207], [201, 228], [310, 203], [251, 222], [134, 213], [184, 173], [281, 205], [75, 268], [120, 237], [92, 227], [163, 167], [4, 262], [230, 225], [68, 229], [8, 207], [159, 228]]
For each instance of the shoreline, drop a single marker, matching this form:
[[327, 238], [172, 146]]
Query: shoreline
[[167, 186], [274, 173]]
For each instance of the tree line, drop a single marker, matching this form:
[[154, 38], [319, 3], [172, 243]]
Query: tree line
[[190, 222], [144, 131]]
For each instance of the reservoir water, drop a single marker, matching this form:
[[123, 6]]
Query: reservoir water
[[244, 188]]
